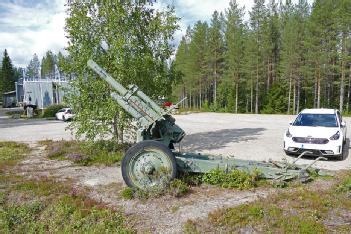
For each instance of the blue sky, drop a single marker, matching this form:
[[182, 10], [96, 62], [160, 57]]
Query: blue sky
[[35, 26]]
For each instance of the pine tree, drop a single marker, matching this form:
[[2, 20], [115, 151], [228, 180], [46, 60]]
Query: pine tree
[[7, 79], [258, 16], [216, 49], [321, 49], [234, 40], [289, 54], [343, 19], [198, 61], [33, 68], [271, 43]]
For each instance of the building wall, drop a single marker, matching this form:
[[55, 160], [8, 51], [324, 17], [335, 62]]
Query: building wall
[[9, 100], [38, 93], [19, 92]]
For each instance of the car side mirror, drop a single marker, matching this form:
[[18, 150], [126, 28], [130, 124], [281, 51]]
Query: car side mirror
[[291, 122], [343, 124]]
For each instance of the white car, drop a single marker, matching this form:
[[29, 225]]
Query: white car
[[64, 114], [322, 132]]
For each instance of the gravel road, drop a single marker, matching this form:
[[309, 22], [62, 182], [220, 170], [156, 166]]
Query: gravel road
[[244, 136]]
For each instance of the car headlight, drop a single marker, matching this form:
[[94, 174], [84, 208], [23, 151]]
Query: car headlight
[[336, 136], [288, 134]]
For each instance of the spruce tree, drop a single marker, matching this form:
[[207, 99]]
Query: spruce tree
[[48, 65], [7, 81]]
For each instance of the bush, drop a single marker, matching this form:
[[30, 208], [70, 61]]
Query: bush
[[51, 110], [234, 179]]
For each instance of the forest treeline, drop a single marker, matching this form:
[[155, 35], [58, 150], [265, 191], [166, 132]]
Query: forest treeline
[[284, 58]]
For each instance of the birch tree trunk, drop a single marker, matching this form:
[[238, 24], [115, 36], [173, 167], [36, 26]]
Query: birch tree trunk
[[251, 97], [294, 98], [215, 83], [200, 98], [315, 91], [268, 74], [342, 90], [319, 89], [348, 92], [289, 93], [236, 97], [298, 96], [257, 92]]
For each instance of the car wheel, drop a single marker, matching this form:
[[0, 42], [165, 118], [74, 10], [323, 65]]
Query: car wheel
[[340, 157], [63, 118]]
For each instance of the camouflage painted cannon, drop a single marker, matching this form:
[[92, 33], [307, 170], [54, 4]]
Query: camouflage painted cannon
[[153, 160]]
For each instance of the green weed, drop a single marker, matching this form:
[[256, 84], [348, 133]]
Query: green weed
[[86, 153], [127, 193]]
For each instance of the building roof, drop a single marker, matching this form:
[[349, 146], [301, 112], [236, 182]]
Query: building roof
[[319, 111]]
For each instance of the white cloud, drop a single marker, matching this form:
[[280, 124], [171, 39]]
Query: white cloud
[[28, 29], [35, 26]]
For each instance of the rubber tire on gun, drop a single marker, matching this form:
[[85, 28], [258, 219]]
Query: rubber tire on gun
[[147, 146]]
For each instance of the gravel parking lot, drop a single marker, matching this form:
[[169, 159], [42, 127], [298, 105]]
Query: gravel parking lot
[[253, 137]]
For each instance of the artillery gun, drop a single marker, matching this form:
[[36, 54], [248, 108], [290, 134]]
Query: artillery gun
[[153, 161]]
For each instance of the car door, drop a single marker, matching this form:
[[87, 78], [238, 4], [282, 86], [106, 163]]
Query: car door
[[59, 114]]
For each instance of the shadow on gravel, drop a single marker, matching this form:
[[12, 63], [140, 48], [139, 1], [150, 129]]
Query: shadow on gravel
[[219, 139]]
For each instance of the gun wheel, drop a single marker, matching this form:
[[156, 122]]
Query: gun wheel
[[148, 164]]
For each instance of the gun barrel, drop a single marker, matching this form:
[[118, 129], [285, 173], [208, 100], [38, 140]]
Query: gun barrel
[[104, 75]]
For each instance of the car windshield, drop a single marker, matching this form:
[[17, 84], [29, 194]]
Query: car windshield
[[316, 120]]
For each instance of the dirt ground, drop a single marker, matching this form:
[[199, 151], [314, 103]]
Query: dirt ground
[[165, 214]]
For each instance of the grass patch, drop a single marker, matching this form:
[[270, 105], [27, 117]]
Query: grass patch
[[175, 188], [86, 153], [45, 206], [345, 186], [300, 211], [15, 114], [12, 152]]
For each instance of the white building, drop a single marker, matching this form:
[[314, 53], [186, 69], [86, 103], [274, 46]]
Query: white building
[[44, 92]]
